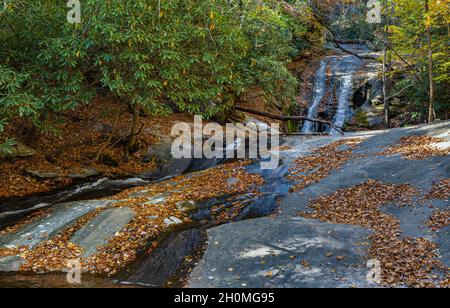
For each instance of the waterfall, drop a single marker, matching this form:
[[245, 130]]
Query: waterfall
[[343, 109], [320, 87], [343, 69]]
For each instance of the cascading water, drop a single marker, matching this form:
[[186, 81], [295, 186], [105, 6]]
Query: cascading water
[[342, 71], [343, 108], [319, 92]]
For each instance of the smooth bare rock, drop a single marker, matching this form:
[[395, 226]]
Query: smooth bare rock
[[42, 175], [282, 252], [101, 229], [84, 174], [62, 216], [172, 221]]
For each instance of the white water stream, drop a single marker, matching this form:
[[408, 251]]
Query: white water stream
[[342, 69]]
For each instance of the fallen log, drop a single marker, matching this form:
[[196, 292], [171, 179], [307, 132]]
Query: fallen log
[[288, 118]]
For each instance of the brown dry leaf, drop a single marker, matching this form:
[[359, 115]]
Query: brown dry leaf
[[405, 261], [312, 169], [440, 190], [417, 148], [53, 254], [439, 219], [341, 258]]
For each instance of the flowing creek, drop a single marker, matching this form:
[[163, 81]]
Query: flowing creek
[[165, 264]]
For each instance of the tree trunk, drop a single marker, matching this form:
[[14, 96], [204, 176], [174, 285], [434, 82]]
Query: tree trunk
[[288, 118], [386, 70], [431, 111], [385, 90], [132, 141]]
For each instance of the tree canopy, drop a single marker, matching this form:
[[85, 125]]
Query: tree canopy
[[198, 56]]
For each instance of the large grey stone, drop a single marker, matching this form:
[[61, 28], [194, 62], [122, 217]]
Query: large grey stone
[[101, 229], [57, 173], [368, 116], [62, 216], [268, 252], [389, 169]]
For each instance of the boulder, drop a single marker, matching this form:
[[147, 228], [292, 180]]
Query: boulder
[[11, 264], [43, 175], [187, 206], [172, 221], [367, 116], [19, 150], [84, 174], [79, 174]]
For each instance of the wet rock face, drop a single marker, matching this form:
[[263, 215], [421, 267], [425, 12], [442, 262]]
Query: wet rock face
[[343, 85], [164, 262], [367, 98], [61, 217]]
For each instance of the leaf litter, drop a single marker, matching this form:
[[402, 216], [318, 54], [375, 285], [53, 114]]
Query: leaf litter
[[312, 169], [405, 261], [417, 148], [148, 225]]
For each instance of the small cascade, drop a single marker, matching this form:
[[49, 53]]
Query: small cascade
[[339, 85], [343, 109], [319, 93]]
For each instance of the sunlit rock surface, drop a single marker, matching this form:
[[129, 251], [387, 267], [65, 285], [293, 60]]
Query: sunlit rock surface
[[100, 229], [283, 252], [269, 252]]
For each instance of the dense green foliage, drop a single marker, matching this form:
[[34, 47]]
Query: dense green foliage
[[201, 55], [198, 56], [409, 39]]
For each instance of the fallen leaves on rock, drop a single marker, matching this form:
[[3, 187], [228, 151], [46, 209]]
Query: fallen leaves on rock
[[341, 258], [304, 263], [8, 252], [311, 169], [439, 219], [417, 148], [54, 254], [405, 261], [440, 190], [148, 226], [25, 221]]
